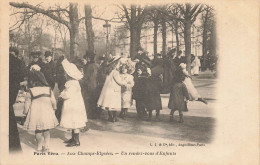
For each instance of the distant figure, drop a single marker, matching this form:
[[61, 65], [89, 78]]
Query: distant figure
[[195, 66]]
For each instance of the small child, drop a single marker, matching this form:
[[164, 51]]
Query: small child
[[110, 96], [40, 104], [139, 91], [152, 93], [126, 91], [179, 96], [73, 114]]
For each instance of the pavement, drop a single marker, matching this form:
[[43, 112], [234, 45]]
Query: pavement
[[134, 134]]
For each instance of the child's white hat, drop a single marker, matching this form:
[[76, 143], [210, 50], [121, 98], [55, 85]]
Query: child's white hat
[[71, 70]]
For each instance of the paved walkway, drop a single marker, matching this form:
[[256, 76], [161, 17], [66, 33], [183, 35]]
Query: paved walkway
[[198, 126]]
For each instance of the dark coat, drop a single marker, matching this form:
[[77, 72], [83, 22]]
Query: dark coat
[[49, 72], [178, 93], [60, 76], [90, 88], [139, 88], [90, 76], [15, 77], [101, 76], [152, 93]]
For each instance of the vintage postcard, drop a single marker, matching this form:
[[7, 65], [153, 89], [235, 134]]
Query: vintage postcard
[[129, 82]]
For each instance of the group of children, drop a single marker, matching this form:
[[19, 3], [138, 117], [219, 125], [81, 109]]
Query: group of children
[[40, 106], [119, 89]]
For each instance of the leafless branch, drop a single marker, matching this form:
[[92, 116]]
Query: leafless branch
[[42, 11]]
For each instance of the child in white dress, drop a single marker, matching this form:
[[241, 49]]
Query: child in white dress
[[110, 97], [194, 95], [73, 111], [126, 91], [40, 106]]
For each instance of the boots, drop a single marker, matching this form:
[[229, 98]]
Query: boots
[[72, 138], [157, 115], [171, 116], [114, 117], [110, 117], [202, 100], [75, 142], [150, 116], [181, 118], [123, 113]]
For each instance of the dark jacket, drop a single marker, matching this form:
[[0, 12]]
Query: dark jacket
[[90, 76], [15, 77], [49, 72], [152, 93], [177, 98], [139, 88]]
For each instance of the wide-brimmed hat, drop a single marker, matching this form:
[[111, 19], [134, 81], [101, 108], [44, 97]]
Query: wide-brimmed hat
[[113, 60], [72, 70]]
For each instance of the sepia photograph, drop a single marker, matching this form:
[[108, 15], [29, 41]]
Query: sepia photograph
[[125, 83]]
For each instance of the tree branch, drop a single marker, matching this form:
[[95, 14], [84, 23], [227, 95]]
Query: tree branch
[[42, 11]]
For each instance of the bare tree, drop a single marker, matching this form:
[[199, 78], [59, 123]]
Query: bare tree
[[187, 16], [67, 16], [134, 17], [89, 30], [207, 21]]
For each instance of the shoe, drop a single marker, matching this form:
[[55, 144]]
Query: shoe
[[45, 149], [202, 100], [157, 119], [68, 141], [150, 116], [73, 144]]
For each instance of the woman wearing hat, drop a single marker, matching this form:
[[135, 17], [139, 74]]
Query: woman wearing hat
[[73, 111], [40, 104]]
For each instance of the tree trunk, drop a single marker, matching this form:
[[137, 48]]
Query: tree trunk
[[89, 31], [204, 47], [135, 35], [187, 40], [74, 31], [155, 30], [164, 45], [176, 26]]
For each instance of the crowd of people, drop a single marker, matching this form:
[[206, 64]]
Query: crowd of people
[[87, 88]]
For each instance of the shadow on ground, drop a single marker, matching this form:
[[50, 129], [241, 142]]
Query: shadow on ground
[[194, 129]]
